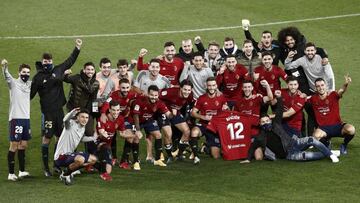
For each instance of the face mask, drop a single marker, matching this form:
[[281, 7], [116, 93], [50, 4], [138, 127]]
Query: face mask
[[24, 78], [48, 66], [267, 127], [230, 50]]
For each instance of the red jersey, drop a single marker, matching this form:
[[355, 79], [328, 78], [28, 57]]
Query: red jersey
[[209, 106], [124, 102], [295, 102], [327, 111], [250, 106], [146, 110], [171, 71], [110, 127], [272, 77], [231, 82], [234, 130], [172, 99]]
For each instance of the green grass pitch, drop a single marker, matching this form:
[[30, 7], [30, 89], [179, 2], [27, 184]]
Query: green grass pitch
[[212, 180]]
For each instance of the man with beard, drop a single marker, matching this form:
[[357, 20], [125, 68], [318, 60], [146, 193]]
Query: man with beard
[[313, 67], [207, 106], [229, 79], [143, 112], [267, 43], [48, 83], [170, 66], [249, 57], [269, 72], [125, 97], [230, 48], [175, 99], [293, 104], [327, 113], [197, 73]]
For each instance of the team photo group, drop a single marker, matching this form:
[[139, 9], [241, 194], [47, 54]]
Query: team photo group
[[228, 100]]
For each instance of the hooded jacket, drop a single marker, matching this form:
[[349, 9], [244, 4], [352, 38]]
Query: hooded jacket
[[49, 84]]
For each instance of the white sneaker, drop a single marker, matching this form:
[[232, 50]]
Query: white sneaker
[[12, 177], [66, 179], [77, 172], [191, 157], [23, 174], [336, 152], [334, 158], [196, 160]]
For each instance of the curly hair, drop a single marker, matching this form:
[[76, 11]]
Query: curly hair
[[289, 31]]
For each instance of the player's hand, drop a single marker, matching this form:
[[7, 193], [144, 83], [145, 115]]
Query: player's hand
[[277, 93], [325, 61], [292, 54], [103, 118], [207, 117], [264, 83], [67, 72], [222, 69], [347, 79], [197, 40], [245, 24], [78, 43], [139, 134], [160, 57], [143, 52], [4, 63]]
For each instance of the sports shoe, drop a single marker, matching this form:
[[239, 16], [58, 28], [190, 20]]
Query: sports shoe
[[343, 149], [179, 158], [106, 177], [23, 174], [136, 166], [162, 158], [77, 172], [47, 173], [245, 161], [336, 152], [159, 163], [334, 158], [191, 157], [175, 153], [125, 165], [12, 177], [196, 160], [66, 179], [113, 162]]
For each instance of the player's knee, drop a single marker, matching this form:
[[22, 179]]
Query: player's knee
[[349, 129], [80, 159], [259, 154], [13, 146], [318, 134], [22, 145]]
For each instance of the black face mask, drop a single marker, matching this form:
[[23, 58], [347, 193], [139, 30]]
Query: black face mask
[[267, 126], [24, 78], [48, 66], [230, 50]]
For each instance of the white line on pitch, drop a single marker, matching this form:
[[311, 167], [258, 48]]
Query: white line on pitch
[[178, 31]]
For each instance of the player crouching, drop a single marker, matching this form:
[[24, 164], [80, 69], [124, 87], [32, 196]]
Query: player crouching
[[72, 134], [106, 131]]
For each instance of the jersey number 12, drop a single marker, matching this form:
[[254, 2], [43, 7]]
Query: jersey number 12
[[235, 130]]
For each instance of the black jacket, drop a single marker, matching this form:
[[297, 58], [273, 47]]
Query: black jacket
[[49, 84], [82, 92], [275, 48]]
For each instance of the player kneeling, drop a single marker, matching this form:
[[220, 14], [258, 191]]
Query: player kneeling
[[72, 134], [106, 131]]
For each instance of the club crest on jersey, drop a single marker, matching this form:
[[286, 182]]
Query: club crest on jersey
[[53, 75], [137, 108], [273, 76], [327, 101], [251, 103], [175, 68], [217, 103], [237, 76], [164, 93]]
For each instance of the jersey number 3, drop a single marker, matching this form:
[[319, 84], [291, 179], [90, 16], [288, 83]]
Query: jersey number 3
[[235, 130]]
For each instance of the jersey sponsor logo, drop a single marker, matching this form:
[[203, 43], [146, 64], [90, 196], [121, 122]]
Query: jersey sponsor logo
[[231, 86], [170, 77], [147, 116], [137, 107], [324, 110], [236, 146]]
